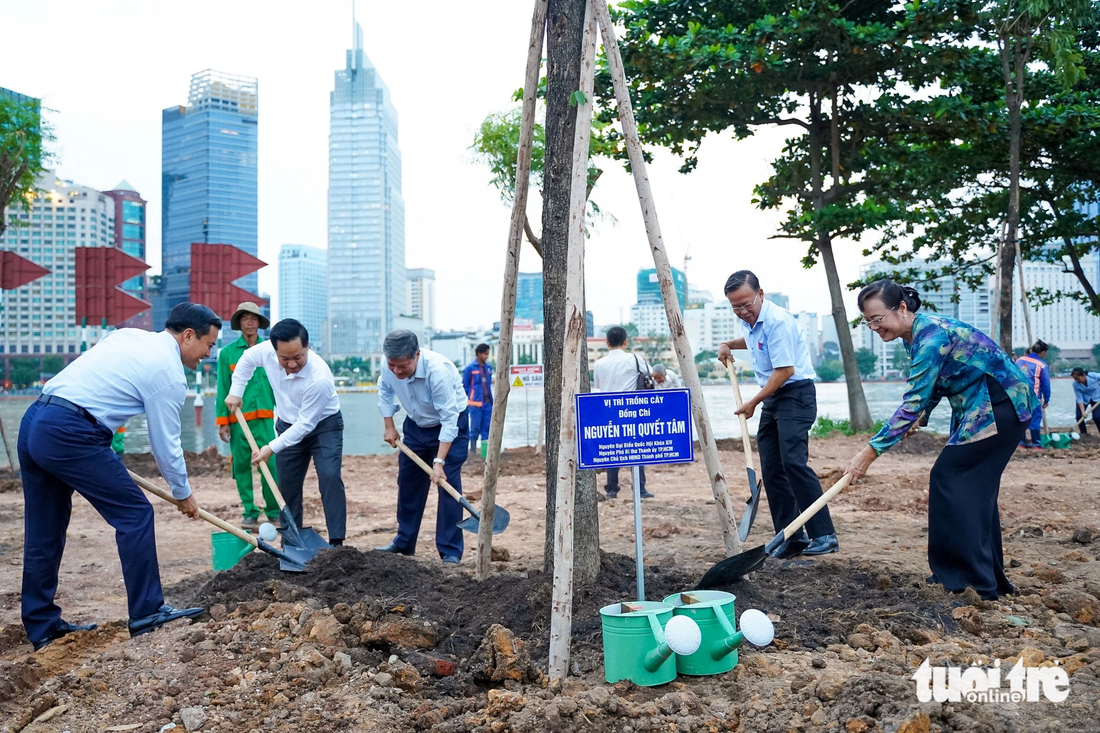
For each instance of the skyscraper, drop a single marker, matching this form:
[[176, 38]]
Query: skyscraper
[[366, 214], [529, 297], [421, 294], [303, 289], [649, 287], [130, 238], [208, 178]]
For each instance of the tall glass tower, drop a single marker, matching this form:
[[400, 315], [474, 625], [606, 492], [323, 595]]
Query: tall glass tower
[[208, 179], [366, 214]]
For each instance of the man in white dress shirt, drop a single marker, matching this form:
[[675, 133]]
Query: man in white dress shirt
[[621, 371], [65, 446], [428, 385], [309, 421]]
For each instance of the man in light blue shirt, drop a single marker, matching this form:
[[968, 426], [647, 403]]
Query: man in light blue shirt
[[65, 446], [781, 360], [1086, 393], [429, 387]]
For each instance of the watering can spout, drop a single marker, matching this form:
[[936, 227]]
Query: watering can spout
[[680, 635], [723, 647], [756, 628]]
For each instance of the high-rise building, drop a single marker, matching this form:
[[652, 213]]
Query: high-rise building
[[208, 179], [1066, 323], [366, 214], [649, 287], [40, 317], [130, 238], [529, 297], [708, 324], [421, 296], [781, 300], [303, 290]]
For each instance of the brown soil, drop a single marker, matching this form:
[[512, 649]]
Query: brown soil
[[372, 641]]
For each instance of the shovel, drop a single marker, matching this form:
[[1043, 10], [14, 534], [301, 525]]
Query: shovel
[[733, 568], [288, 559], [753, 502], [1084, 417], [471, 524], [305, 539]]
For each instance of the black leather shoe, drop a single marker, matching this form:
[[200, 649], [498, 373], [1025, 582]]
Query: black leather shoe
[[392, 548], [823, 545], [646, 495], [139, 626], [451, 560], [791, 548], [62, 630]]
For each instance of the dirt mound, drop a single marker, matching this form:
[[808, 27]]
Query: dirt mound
[[920, 444], [207, 463]]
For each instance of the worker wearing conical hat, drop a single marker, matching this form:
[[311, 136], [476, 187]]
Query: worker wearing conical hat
[[258, 409]]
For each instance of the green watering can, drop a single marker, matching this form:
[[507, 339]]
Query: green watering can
[[712, 611], [639, 639]]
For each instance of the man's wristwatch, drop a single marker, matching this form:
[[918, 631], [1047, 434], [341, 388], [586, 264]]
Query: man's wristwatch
[[437, 459]]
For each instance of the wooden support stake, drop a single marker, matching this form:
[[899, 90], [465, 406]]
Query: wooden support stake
[[1027, 315], [508, 301], [561, 609], [726, 518]]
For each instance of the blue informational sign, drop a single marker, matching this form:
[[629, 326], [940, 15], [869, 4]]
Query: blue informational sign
[[634, 428]]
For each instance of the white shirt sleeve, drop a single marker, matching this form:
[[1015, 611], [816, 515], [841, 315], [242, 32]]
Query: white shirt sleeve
[[250, 360], [162, 412], [446, 403], [314, 399], [387, 404]]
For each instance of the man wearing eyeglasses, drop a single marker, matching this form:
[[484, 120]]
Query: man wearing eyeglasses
[[781, 360]]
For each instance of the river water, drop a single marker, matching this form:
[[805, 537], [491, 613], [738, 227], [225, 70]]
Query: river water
[[363, 425]]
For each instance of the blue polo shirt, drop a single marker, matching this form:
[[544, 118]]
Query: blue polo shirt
[[777, 341], [1090, 390]]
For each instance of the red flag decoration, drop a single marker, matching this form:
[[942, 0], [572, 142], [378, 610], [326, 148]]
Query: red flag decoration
[[16, 271], [214, 267], [98, 271]]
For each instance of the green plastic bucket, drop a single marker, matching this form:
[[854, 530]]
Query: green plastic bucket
[[227, 550], [627, 639], [714, 614]]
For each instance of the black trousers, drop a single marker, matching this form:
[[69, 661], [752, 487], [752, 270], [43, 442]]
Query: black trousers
[[414, 485], [783, 438], [964, 525], [612, 486], [1095, 416], [325, 445]]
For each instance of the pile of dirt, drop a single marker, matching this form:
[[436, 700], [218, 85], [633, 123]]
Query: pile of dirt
[[205, 463], [920, 444]]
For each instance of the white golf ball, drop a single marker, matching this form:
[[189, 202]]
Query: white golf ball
[[268, 533], [757, 627], [682, 635]]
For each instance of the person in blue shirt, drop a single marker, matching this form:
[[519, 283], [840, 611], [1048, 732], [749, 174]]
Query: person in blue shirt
[[1035, 367], [65, 446], [781, 360], [477, 381], [1086, 393], [429, 387], [992, 403]]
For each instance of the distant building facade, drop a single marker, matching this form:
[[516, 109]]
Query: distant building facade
[[130, 235], [303, 290], [529, 297], [208, 179], [421, 296]]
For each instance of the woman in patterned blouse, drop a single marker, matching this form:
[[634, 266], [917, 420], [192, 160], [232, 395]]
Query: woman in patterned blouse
[[991, 406]]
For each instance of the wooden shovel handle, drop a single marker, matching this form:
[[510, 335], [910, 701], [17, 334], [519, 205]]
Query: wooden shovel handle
[[790, 530], [1085, 416], [744, 420], [428, 470], [203, 514], [264, 470]]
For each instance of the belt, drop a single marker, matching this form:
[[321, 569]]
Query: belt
[[70, 406]]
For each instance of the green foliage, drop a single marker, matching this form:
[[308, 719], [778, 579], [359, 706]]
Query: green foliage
[[347, 367], [526, 359], [830, 371], [830, 351], [23, 373], [22, 156], [825, 426], [52, 364], [900, 361], [706, 355], [866, 360], [631, 330], [1096, 353], [577, 98]]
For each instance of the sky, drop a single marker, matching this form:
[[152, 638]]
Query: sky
[[106, 69]]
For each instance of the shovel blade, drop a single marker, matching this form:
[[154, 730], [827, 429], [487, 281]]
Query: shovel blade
[[734, 568], [753, 503], [501, 518], [291, 559]]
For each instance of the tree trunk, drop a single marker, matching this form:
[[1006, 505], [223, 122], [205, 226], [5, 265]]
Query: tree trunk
[[1014, 53], [1079, 273], [565, 25], [727, 519], [518, 223], [859, 416]]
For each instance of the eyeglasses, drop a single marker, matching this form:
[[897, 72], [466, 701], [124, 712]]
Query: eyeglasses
[[872, 323], [745, 308]]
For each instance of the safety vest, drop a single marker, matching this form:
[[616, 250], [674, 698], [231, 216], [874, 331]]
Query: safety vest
[[1040, 365]]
